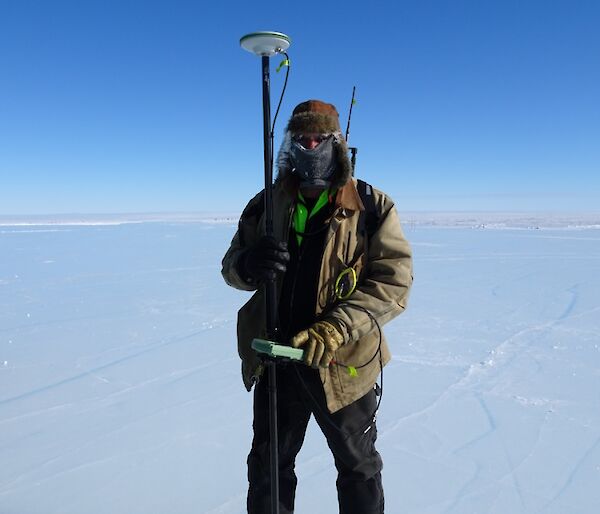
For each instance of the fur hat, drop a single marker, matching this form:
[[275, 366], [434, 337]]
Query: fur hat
[[315, 117]]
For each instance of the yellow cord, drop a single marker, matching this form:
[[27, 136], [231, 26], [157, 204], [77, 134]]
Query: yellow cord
[[340, 295]]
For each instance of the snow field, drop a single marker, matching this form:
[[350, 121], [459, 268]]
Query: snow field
[[120, 389]]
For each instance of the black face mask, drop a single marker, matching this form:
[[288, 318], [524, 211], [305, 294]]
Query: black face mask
[[314, 167]]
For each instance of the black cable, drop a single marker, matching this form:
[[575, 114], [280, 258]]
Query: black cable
[[287, 72], [378, 328], [364, 428], [378, 352]]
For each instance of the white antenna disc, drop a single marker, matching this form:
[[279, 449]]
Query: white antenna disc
[[265, 43]]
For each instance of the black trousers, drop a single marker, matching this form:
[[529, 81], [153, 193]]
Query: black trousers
[[300, 394]]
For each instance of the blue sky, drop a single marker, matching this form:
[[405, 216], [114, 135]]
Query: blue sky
[[149, 106]]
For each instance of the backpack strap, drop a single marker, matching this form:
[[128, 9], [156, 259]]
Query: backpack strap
[[368, 220]]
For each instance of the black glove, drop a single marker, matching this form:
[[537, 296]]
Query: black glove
[[265, 260]]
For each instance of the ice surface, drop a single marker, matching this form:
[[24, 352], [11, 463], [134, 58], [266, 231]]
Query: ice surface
[[120, 390]]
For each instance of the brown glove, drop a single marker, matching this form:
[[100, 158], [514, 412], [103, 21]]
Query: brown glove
[[319, 341]]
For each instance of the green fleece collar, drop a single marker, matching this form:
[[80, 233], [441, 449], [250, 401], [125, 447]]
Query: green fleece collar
[[301, 214]]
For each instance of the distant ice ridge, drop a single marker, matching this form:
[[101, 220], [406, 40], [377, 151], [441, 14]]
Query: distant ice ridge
[[503, 220], [116, 219], [475, 220]]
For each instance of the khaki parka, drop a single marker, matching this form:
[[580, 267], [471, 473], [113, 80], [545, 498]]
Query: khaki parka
[[383, 265]]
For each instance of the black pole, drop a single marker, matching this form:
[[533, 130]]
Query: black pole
[[274, 450], [270, 287], [267, 143]]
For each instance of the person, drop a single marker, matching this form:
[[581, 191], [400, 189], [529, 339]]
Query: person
[[343, 268]]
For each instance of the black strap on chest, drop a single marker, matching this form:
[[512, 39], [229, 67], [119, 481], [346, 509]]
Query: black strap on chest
[[368, 220]]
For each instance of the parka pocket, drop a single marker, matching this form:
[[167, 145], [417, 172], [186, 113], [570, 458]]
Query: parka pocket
[[358, 364]]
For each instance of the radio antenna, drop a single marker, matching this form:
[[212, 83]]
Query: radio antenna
[[352, 102], [352, 149]]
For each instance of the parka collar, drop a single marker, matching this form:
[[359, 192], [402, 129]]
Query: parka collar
[[347, 197]]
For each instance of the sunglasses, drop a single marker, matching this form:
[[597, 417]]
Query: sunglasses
[[305, 140]]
